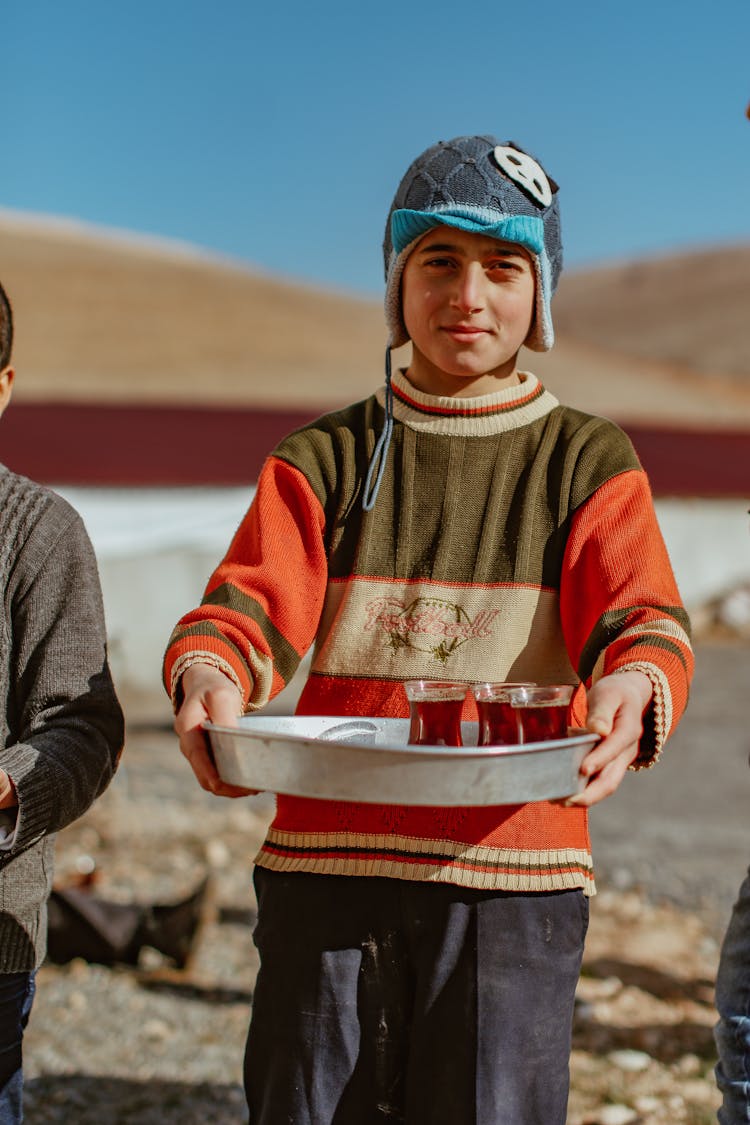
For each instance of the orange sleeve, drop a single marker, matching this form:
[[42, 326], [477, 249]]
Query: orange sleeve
[[619, 602], [262, 605]]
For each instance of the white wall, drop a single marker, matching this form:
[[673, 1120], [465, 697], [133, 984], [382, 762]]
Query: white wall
[[709, 545], [156, 548]]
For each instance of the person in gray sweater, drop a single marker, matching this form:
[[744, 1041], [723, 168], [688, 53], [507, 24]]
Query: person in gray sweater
[[61, 726]]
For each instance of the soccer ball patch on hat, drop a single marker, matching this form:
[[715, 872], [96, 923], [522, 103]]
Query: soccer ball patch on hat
[[525, 171]]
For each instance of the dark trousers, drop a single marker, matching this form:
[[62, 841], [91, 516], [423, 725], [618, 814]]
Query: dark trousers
[[381, 1000], [732, 1032], [16, 997]]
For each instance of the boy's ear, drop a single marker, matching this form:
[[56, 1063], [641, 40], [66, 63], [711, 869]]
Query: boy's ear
[[7, 375]]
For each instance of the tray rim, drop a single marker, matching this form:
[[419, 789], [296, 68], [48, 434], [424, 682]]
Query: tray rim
[[580, 736]]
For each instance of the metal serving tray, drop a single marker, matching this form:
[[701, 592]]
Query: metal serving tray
[[368, 759]]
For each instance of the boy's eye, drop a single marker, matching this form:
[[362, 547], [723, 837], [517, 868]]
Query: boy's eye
[[497, 266], [439, 263]]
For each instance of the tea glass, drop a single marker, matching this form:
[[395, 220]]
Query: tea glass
[[498, 719], [542, 711], [435, 708]]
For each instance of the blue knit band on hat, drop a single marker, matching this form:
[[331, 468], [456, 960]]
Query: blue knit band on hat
[[524, 230]]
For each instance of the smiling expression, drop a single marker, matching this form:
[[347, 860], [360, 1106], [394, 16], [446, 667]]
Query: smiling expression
[[468, 305]]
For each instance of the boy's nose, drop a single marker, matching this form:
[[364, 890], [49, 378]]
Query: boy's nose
[[468, 292]]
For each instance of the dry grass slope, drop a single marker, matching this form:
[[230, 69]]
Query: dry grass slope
[[101, 320], [686, 310]]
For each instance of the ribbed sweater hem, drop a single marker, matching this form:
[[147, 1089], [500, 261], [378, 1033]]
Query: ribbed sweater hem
[[433, 860], [425, 872]]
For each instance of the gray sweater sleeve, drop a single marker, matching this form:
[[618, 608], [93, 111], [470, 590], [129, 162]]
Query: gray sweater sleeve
[[65, 726]]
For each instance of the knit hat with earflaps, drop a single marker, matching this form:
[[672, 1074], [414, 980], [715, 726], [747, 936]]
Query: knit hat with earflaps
[[485, 186]]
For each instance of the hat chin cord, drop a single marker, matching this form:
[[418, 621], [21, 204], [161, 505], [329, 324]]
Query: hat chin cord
[[380, 452]]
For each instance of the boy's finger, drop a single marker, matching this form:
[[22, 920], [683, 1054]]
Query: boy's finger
[[195, 746], [599, 722], [602, 785], [602, 709], [621, 745], [7, 791], [606, 748], [223, 706], [191, 714], [617, 751], [219, 705], [604, 752], [225, 790]]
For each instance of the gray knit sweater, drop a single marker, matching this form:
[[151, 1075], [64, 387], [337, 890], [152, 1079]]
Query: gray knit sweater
[[61, 727]]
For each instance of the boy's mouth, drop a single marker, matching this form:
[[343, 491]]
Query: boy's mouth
[[465, 332]]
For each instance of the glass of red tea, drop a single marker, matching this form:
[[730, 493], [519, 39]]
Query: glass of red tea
[[435, 708], [498, 718], [542, 711]]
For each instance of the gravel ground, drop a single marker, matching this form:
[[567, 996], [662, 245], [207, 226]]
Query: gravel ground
[[156, 1045], [153, 1044]]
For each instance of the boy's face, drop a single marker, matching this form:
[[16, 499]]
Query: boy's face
[[6, 386], [468, 304]]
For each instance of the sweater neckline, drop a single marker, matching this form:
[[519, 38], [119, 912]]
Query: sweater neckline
[[494, 413]]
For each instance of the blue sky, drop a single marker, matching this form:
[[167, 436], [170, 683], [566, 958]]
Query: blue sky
[[277, 133]]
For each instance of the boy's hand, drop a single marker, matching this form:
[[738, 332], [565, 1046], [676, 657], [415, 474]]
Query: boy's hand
[[8, 798], [207, 695], [615, 711]]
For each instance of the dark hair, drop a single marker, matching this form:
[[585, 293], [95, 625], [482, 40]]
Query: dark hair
[[6, 329]]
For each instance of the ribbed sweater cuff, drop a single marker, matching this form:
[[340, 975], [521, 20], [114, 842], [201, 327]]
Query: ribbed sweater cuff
[[36, 796], [658, 718]]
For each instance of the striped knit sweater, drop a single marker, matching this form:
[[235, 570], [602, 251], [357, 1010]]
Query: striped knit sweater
[[512, 539]]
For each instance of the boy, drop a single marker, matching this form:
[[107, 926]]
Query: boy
[[61, 727], [732, 1032], [462, 491]]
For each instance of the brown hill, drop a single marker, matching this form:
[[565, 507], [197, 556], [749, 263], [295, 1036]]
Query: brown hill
[[689, 310], [109, 318], [105, 318]]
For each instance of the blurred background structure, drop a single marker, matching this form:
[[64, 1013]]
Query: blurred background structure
[[191, 213]]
